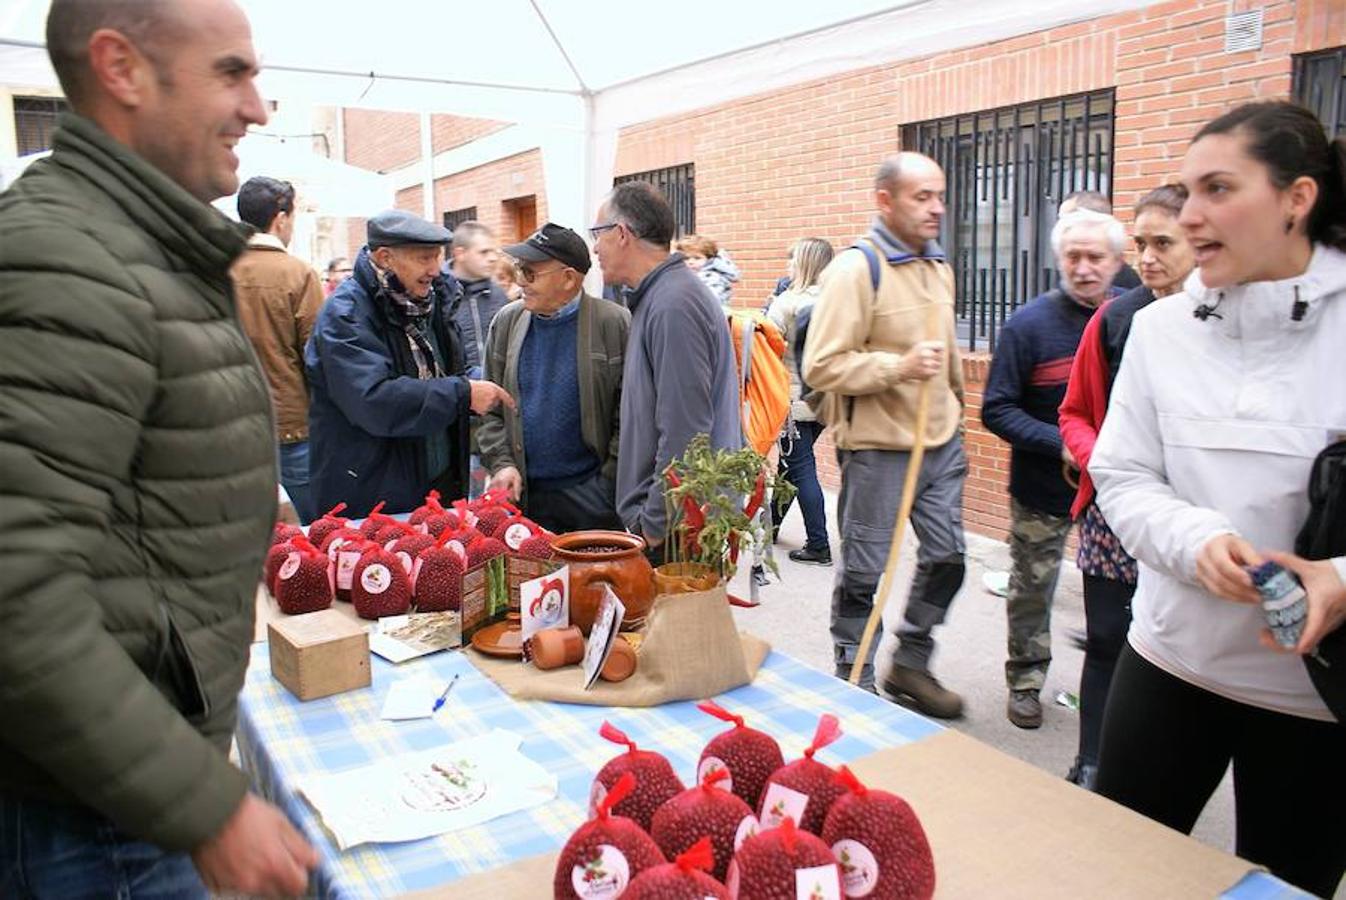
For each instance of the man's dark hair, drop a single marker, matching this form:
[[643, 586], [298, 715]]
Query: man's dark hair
[[642, 209], [1090, 200], [152, 25], [261, 199]]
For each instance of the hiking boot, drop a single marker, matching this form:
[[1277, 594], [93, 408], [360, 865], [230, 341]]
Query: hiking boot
[[1024, 709], [922, 692], [810, 557]]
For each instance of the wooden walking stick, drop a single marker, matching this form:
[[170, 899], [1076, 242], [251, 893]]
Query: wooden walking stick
[[932, 328]]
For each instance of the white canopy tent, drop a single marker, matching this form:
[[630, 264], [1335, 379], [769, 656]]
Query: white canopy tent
[[574, 72]]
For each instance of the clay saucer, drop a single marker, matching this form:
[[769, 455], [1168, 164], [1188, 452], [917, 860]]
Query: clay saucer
[[503, 639]]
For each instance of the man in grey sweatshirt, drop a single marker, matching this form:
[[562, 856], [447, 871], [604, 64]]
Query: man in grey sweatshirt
[[679, 378]]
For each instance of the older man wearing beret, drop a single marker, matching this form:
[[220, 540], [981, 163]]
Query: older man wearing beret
[[390, 405]]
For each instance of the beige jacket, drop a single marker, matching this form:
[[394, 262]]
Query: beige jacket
[[856, 341], [278, 300]]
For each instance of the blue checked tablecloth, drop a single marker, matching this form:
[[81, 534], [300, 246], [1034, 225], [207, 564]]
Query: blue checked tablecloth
[[280, 738]]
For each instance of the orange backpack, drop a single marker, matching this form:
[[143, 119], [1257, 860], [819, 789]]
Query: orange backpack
[[763, 381]]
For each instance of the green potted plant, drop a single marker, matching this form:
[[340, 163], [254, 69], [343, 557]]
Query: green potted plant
[[713, 497]]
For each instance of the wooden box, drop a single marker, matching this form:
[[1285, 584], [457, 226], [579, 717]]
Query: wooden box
[[319, 654], [491, 591]]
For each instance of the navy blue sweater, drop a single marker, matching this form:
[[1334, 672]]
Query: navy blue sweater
[[1024, 392], [549, 388]]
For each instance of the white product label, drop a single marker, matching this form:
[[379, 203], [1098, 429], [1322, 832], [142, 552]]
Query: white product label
[[596, 794], [289, 567], [408, 564], [731, 878], [780, 802], [458, 550], [859, 868], [416, 571], [710, 765], [376, 578], [388, 545], [818, 883], [345, 569], [746, 829], [516, 534], [604, 874]]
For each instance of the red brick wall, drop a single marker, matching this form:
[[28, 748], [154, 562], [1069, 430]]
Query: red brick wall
[[447, 132], [379, 140], [488, 187]]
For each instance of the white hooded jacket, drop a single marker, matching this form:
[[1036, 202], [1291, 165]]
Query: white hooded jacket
[[1212, 428]]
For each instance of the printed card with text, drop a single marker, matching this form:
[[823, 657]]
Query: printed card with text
[[602, 636], [544, 603]]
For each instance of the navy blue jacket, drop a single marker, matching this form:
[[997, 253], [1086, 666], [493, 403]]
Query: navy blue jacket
[[1024, 390], [369, 414]]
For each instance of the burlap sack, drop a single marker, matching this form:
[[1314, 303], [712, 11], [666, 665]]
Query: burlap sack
[[691, 650]]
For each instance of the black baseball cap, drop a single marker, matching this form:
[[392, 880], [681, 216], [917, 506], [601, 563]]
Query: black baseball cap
[[552, 241]]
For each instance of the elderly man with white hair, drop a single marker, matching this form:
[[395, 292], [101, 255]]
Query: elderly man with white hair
[[1023, 393]]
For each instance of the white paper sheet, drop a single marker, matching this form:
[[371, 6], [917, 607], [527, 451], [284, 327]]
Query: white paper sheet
[[419, 795], [411, 698]]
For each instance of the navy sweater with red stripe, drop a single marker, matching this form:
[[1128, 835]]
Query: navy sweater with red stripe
[[1024, 392]]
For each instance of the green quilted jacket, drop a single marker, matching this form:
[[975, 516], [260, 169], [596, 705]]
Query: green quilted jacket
[[137, 492]]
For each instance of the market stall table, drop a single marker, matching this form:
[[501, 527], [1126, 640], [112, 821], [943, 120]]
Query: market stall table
[[281, 739]]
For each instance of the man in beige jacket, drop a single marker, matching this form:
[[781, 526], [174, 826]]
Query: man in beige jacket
[[883, 325], [278, 299]]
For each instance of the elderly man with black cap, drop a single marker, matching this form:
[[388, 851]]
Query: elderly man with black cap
[[559, 352], [389, 410]]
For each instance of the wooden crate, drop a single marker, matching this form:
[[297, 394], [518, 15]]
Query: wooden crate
[[319, 654]]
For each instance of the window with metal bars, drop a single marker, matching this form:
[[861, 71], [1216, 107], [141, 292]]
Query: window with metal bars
[[1320, 84], [1007, 171], [678, 185], [34, 121], [458, 216]]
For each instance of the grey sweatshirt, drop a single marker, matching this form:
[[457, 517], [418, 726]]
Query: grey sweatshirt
[[679, 381]]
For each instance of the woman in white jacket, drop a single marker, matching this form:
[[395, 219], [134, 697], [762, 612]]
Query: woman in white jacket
[[1228, 391]]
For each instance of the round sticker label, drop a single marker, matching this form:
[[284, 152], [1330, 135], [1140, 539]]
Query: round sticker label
[[289, 567], [746, 829], [345, 569], [388, 545], [605, 873], [516, 534], [408, 565], [714, 764], [376, 578], [416, 571], [457, 549], [731, 879], [859, 868]]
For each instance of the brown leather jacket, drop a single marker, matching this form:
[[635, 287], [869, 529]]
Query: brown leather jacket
[[278, 299]]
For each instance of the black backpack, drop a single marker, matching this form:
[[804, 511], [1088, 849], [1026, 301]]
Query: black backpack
[[1324, 537]]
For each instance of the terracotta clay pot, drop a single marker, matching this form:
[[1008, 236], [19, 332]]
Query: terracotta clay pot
[[612, 558], [684, 578], [556, 647], [621, 662]]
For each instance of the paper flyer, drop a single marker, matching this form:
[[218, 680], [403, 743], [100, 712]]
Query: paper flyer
[[601, 636], [544, 603], [419, 795], [400, 638]]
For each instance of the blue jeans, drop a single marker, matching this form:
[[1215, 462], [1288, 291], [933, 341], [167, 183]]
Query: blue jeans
[[63, 852], [796, 456], [294, 478]]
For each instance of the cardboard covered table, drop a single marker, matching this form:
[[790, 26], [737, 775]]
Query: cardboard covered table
[[998, 827]]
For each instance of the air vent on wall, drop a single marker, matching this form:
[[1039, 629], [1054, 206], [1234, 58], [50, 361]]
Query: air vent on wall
[[1243, 31]]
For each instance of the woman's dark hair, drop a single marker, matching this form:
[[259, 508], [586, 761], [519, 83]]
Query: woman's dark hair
[[1168, 197], [1290, 141]]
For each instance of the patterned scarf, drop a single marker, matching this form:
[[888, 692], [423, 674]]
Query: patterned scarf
[[413, 314]]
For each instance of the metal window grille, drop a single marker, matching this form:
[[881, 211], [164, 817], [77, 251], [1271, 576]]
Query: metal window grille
[[678, 185], [458, 216], [1320, 84], [34, 121], [1007, 171]]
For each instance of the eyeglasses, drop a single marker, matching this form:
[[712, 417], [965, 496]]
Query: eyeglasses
[[596, 230], [527, 274]]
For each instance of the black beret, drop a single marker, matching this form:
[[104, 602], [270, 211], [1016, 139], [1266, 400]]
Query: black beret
[[397, 228]]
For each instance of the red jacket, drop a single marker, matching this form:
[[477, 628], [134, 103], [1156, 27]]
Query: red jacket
[[1081, 413]]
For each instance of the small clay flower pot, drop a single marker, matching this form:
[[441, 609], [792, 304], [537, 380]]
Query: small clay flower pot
[[556, 647], [621, 662]]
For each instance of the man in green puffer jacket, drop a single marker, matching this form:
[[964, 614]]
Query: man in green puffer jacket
[[138, 473]]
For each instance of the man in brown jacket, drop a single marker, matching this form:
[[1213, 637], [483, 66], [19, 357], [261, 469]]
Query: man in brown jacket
[[278, 299], [882, 326]]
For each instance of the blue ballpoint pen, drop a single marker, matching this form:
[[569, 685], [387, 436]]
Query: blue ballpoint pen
[[444, 696]]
